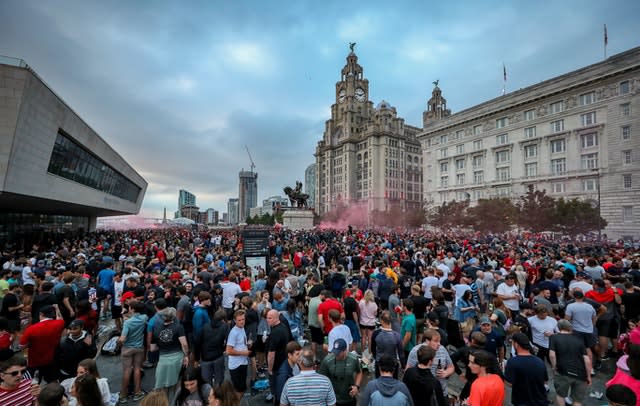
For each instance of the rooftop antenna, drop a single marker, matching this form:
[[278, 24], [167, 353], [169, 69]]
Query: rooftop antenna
[[250, 159]]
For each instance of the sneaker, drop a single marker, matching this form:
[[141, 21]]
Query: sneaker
[[605, 357], [596, 395], [139, 396], [568, 401], [593, 372], [122, 401], [147, 364], [269, 397]]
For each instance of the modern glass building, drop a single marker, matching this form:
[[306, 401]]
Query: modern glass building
[[57, 175]]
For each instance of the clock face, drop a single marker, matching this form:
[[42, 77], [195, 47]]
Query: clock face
[[360, 96], [342, 95]]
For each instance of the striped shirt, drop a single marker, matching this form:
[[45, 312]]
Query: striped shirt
[[308, 389], [20, 396]]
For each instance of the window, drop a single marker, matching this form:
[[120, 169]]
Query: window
[[627, 213], [477, 129], [624, 87], [503, 174], [531, 169], [477, 145], [557, 107], [443, 153], [589, 185], [503, 191], [626, 133], [530, 132], [460, 179], [444, 181], [502, 156], [589, 161], [444, 167], [502, 139], [626, 157], [444, 139], [589, 140], [626, 181], [71, 161], [588, 118], [460, 149], [459, 164], [529, 115], [557, 187], [587, 98], [478, 177], [531, 151], [558, 146], [459, 134], [502, 122], [478, 194], [477, 161], [557, 126], [625, 109], [558, 166]]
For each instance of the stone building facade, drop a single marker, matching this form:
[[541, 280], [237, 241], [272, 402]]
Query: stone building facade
[[576, 135], [368, 156]]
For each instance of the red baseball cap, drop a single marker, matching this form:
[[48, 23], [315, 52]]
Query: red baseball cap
[[127, 295]]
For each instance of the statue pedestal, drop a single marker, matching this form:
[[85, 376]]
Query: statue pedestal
[[297, 219]]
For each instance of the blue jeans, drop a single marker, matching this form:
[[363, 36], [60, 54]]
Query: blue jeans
[[213, 370]]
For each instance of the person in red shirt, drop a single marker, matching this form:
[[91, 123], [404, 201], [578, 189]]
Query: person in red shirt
[[487, 389], [40, 338], [328, 303]]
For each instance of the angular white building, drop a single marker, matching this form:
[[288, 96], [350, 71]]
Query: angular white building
[[56, 173]]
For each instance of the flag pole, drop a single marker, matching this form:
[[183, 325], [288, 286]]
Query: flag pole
[[606, 41], [504, 79]]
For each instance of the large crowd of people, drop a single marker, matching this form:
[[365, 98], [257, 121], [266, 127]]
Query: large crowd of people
[[338, 317]]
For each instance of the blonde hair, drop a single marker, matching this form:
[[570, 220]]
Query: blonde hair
[[368, 296]]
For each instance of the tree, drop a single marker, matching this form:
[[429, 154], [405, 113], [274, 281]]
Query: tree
[[450, 214], [416, 217], [536, 210], [493, 215], [573, 217]]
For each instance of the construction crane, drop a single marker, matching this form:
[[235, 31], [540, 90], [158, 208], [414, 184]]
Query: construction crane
[[253, 166]]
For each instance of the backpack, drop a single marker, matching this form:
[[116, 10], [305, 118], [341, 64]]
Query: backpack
[[110, 346]]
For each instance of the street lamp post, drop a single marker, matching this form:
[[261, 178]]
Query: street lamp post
[[599, 208]]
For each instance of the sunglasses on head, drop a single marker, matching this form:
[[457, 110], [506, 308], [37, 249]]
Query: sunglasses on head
[[15, 373]]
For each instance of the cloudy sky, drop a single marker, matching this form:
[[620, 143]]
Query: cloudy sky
[[178, 88]]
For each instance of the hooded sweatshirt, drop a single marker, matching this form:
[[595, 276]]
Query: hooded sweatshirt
[[386, 391]]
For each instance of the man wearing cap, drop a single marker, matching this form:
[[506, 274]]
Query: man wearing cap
[[343, 370], [570, 363], [495, 341], [526, 374], [39, 337], [75, 347], [581, 282]]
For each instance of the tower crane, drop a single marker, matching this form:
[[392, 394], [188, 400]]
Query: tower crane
[[250, 159]]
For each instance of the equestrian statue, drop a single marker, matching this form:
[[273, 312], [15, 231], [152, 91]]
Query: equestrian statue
[[297, 198]]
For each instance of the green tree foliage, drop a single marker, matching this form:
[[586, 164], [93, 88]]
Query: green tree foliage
[[573, 217], [450, 214], [536, 210], [266, 219], [495, 215]]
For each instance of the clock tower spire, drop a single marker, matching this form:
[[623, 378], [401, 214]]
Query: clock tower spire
[[353, 87]]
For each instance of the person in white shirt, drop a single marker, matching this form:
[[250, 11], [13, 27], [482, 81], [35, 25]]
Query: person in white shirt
[[509, 292], [429, 281], [580, 282], [229, 291], [542, 327], [339, 330]]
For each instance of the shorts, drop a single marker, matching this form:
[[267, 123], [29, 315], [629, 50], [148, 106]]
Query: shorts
[[362, 326], [316, 335], [116, 312], [588, 339], [420, 326], [562, 384], [239, 378], [604, 327], [132, 358]]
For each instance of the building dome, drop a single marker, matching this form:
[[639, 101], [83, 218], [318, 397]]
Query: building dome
[[383, 105]]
